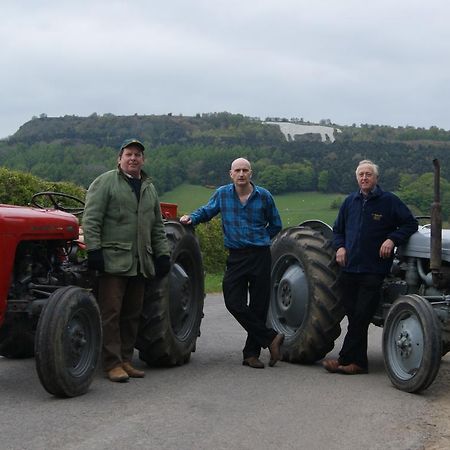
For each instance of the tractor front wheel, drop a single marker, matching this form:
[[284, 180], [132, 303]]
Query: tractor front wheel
[[68, 342], [412, 344]]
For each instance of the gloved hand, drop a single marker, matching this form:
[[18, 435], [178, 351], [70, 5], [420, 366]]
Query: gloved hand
[[162, 266], [95, 260]]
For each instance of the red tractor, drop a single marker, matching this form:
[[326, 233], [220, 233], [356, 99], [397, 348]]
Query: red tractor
[[47, 295]]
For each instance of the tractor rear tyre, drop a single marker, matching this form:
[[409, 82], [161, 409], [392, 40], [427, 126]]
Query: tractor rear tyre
[[305, 302], [173, 305], [68, 342], [412, 344]]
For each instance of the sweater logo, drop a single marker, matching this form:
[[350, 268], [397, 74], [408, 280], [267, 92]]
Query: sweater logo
[[377, 216]]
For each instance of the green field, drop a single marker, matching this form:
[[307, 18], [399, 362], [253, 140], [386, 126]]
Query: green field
[[293, 207]]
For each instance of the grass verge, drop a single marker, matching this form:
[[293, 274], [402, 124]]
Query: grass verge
[[213, 282]]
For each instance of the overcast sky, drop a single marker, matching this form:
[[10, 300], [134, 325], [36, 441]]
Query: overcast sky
[[383, 62]]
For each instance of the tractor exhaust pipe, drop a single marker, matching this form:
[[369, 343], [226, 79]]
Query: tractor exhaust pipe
[[436, 228]]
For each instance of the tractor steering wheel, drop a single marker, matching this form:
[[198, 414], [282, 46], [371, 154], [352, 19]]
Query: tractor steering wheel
[[59, 201]]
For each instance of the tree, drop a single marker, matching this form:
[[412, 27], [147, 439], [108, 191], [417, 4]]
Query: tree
[[299, 176], [420, 193], [274, 179], [323, 181]]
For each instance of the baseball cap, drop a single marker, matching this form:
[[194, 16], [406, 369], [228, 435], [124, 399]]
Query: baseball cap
[[128, 142]]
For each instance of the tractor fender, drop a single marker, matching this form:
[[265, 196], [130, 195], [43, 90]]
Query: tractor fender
[[320, 226]]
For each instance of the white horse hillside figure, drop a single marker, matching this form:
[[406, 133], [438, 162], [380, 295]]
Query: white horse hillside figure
[[290, 130]]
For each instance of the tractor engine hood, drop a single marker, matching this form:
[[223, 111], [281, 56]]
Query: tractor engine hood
[[25, 223], [418, 245]]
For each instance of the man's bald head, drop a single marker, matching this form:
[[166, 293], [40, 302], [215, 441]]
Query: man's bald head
[[241, 172], [240, 162]]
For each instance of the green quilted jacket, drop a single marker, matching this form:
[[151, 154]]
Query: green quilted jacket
[[128, 231]]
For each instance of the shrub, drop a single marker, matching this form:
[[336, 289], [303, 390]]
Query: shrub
[[17, 188], [211, 243]]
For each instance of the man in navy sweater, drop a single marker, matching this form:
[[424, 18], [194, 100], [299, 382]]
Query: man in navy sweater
[[370, 223]]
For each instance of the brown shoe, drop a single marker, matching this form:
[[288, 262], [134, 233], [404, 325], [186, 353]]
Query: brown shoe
[[118, 374], [274, 349], [351, 369], [132, 372], [253, 361], [332, 365]]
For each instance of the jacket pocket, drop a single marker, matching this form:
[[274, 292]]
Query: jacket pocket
[[118, 256], [148, 266]]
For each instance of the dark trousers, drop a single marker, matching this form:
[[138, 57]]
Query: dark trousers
[[120, 300], [246, 290], [361, 296]]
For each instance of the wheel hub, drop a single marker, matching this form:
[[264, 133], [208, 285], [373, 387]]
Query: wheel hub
[[292, 294], [285, 294], [78, 342], [404, 344], [185, 294]]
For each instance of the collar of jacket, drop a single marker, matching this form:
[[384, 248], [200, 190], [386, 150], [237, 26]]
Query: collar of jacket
[[144, 175], [375, 192]]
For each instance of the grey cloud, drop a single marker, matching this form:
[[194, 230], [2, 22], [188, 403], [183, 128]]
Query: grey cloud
[[353, 62]]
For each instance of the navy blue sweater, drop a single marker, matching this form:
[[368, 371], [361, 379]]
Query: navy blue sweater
[[363, 224]]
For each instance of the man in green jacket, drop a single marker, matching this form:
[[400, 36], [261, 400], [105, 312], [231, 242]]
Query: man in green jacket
[[126, 241]]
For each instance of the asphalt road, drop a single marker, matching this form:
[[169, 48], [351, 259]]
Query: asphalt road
[[216, 403]]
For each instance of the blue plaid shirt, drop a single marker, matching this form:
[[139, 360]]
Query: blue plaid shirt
[[244, 225]]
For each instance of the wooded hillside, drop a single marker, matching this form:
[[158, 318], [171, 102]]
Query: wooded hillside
[[198, 150]]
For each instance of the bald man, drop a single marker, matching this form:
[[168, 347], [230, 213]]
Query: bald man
[[250, 220]]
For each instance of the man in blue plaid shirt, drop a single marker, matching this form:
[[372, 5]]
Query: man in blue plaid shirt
[[250, 220]]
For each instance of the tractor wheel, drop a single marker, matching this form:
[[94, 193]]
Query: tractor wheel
[[17, 338], [305, 302], [68, 342], [173, 306], [412, 344]]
